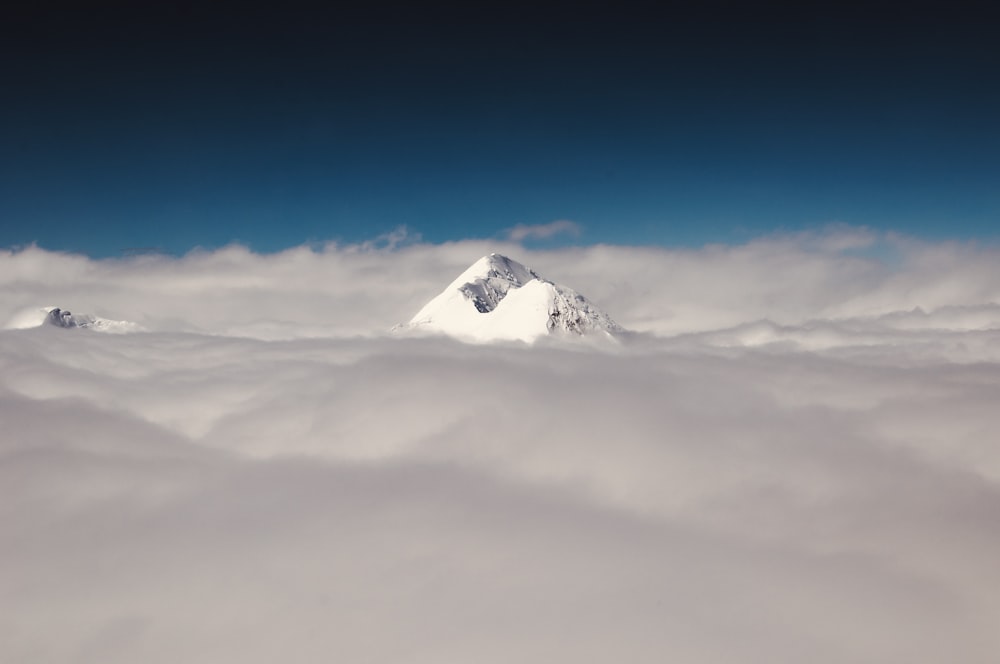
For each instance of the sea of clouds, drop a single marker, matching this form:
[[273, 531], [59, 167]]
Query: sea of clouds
[[796, 458]]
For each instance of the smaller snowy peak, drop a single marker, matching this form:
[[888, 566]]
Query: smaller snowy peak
[[61, 318], [57, 317], [499, 299]]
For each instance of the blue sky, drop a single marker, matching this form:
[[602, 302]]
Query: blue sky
[[125, 129]]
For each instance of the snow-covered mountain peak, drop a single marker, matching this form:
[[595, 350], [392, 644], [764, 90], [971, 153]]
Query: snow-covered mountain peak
[[37, 317], [498, 299], [495, 266], [487, 281]]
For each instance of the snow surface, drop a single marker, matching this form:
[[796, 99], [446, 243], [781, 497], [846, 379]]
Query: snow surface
[[499, 299], [37, 317]]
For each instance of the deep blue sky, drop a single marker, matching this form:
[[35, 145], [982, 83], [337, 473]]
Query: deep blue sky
[[130, 127]]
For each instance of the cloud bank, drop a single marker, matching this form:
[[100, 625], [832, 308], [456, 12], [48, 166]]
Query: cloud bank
[[795, 460]]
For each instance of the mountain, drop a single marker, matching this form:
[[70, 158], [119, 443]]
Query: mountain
[[498, 299], [62, 318]]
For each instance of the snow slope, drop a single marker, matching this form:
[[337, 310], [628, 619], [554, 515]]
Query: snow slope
[[62, 318], [498, 299]]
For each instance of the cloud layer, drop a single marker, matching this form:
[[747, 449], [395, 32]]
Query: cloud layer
[[845, 276], [795, 461]]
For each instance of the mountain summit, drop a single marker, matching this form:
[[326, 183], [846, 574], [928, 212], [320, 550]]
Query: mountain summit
[[42, 316], [498, 299]]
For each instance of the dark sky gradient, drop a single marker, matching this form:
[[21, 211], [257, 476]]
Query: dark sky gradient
[[124, 127]]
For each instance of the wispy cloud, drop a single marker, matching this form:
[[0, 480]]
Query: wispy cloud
[[398, 237], [522, 232]]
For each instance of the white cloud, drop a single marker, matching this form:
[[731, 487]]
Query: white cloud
[[522, 232], [798, 466]]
